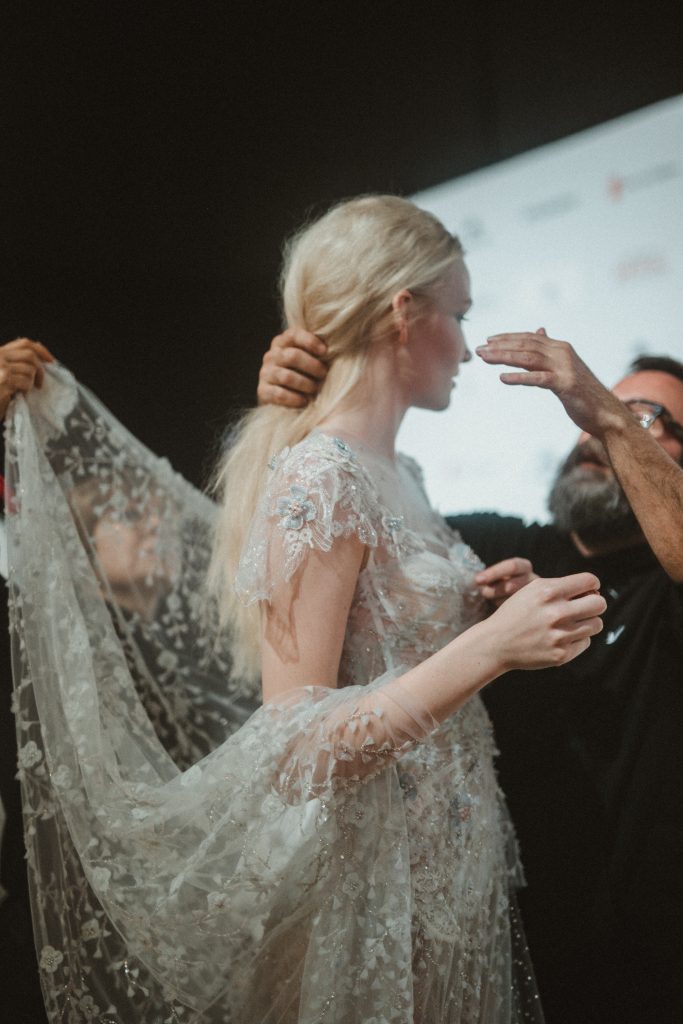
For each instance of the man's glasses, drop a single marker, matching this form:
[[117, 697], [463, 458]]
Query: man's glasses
[[655, 418]]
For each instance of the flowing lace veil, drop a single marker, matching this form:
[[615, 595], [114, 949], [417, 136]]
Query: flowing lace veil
[[191, 858], [83, 492]]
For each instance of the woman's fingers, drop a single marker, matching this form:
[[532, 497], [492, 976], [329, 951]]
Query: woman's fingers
[[549, 621], [576, 648], [576, 606], [579, 640], [497, 591], [570, 587], [585, 607], [585, 628]]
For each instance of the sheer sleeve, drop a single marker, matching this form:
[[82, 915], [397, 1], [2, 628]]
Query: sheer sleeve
[[175, 875], [318, 493]]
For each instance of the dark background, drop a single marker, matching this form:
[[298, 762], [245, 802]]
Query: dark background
[[155, 155]]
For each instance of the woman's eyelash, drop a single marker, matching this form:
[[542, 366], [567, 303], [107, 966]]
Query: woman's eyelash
[[460, 317]]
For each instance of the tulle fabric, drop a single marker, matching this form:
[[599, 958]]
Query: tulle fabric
[[329, 857]]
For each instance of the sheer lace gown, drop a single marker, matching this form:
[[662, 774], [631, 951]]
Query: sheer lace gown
[[334, 856]]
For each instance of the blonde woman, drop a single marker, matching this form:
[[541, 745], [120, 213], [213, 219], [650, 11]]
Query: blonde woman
[[345, 855]]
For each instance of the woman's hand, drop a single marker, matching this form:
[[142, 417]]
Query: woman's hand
[[548, 622], [21, 368], [499, 582], [292, 369]]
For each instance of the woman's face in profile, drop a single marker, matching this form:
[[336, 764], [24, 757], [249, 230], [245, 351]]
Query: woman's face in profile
[[436, 342]]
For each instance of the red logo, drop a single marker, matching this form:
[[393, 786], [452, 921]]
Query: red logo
[[615, 188]]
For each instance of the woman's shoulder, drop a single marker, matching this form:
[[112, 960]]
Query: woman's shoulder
[[318, 453], [323, 460], [322, 478], [317, 493]]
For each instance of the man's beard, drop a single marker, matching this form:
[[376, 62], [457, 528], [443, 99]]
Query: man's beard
[[589, 502]]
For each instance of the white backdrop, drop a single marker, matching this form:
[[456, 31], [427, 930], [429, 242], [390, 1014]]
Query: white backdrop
[[585, 238]]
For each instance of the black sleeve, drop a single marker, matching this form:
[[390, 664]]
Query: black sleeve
[[491, 536], [677, 611]]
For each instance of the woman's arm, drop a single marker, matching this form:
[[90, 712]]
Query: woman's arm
[[549, 622], [304, 624]]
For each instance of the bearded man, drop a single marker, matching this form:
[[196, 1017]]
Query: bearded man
[[591, 754]]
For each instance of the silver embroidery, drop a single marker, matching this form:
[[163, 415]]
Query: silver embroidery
[[306, 861]]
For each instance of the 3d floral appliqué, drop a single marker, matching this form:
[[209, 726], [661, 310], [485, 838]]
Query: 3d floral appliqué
[[295, 509]]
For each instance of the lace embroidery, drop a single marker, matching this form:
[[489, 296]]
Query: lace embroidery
[[195, 859], [295, 509], [318, 493]]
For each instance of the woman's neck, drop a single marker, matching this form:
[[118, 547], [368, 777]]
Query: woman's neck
[[373, 414]]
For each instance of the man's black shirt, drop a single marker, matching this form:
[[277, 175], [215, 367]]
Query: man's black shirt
[[591, 764]]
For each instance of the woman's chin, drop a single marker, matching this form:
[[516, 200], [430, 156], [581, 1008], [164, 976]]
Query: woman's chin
[[435, 403]]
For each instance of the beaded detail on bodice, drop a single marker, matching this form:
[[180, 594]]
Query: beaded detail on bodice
[[416, 590]]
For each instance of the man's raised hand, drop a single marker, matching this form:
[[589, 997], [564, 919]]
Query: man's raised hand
[[554, 365]]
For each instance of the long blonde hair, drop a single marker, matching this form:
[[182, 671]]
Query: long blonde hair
[[338, 279]]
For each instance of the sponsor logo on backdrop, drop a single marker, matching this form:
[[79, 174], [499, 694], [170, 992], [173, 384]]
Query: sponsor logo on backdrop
[[472, 232], [615, 188], [553, 206], [641, 265], [648, 176], [582, 238]]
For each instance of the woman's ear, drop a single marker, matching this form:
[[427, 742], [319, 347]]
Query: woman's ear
[[401, 304]]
